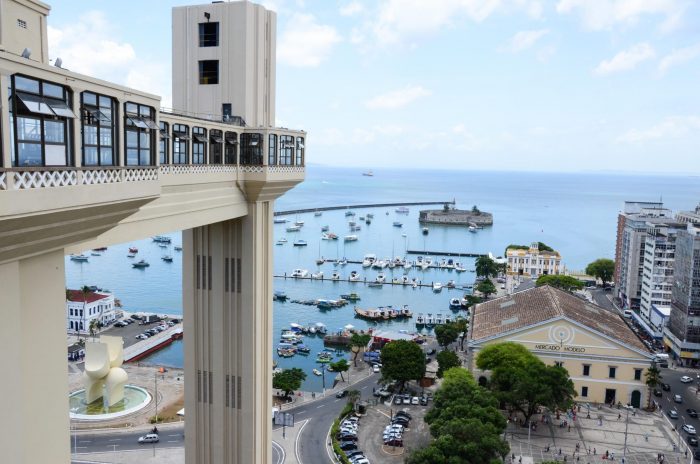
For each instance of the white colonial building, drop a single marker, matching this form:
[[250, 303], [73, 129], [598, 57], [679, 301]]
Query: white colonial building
[[81, 309], [532, 261]]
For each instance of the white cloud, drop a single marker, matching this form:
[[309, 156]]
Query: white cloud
[[671, 127], [525, 39], [90, 46], [604, 14], [626, 59], [305, 43], [397, 98], [352, 9], [679, 56]]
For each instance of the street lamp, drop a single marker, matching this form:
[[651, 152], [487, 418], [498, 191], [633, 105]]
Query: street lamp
[[627, 423]]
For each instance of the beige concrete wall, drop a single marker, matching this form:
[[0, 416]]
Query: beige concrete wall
[[34, 389], [247, 61], [14, 38]]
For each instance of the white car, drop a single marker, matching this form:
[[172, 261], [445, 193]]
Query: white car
[[376, 369], [415, 400], [689, 429], [149, 438], [686, 379]]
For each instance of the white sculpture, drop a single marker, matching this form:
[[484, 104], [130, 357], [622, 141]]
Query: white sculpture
[[103, 377]]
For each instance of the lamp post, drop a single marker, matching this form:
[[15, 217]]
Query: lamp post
[[627, 423], [156, 383], [323, 373]]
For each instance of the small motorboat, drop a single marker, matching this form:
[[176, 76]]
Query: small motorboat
[[300, 243], [280, 220], [459, 268], [293, 228], [280, 242], [317, 372], [133, 250], [455, 303], [141, 264], [299, 223], [279, 296], [370, 216], [318, 213], [425, 231], [381, 278], [349, 213], [397, 224], [437, 287], [178, 248], [167, 259], [80, 258], [368, 260], [354, 276], [351, 297], [317, 275], [131, 255], [161, 239], [300, 273], [472, 229], [163, 245], [100, 249], [350, 238], [402, 210], [94, 253], [335, 276], [325, 229], [303, 349]]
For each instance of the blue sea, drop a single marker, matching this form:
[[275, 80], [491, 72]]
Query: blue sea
[[574, 213]]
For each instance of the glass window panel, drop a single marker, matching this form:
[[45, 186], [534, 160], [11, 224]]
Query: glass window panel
[[35, 104], [105, 102], [132, 139], [151, 124], [28, 129], [55, 155], [162, 151], [105, 138], [145, 111], [106, 156], [145, 157], [105, 117], [89, 98], [53, 90], [90, 156], [132, 108], [54, 131], [145, 139], [61, 109], [90, 135], [29, 154], [26, 84], [132, 157]]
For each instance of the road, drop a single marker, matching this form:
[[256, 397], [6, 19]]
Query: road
[[689, 393], [312, 446], [320, 415]]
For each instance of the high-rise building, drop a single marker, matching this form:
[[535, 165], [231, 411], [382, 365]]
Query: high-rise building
[[682, 335], [689, 217], [632, 225]]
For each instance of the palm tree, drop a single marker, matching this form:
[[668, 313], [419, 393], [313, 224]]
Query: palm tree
[[353, 396], [94, 325], [358, 342], [85, 291], [462, 325], [653, 378]]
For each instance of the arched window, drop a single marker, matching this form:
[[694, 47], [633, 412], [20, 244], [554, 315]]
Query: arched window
[[181, 137], [41, 119]]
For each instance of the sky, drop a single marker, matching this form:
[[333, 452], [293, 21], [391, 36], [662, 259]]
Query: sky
[[531, 85]]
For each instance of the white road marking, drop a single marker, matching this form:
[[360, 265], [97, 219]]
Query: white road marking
[[173, 441], [296, 442], [320, 406], [364, 387], [115, 439], [174, 435]]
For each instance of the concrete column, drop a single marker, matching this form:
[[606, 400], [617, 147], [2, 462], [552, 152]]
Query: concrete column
[[227, 299], [34, 388]]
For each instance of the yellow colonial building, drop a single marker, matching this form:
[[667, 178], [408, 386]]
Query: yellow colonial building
[[604, 357]]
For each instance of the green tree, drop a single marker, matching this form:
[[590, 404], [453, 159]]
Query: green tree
[[402, 361], [288, 380], [653, 379], [602, 268], [563, 282], [447, 360], [462, 326], [486, 287], [340, 367], [472, 300], [475, 210], [94, 325], [540, 246], [358, 342], [486, 267], [501, 354], [353, 396], [84, 291], [446, 334]]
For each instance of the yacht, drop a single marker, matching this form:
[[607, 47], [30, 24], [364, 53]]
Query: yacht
[[455, 304], [381, 278], [350, 238], [293, 228], [354, 276], [437, 287], [368, 260], [300, 273], [451, 284], [407, 264], [379, 264], [141, 264], [279, 221], [317, 275], [335, 276], [402, 210]]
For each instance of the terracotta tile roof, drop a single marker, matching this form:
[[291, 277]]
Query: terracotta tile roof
[[540, 304], [77, 296]]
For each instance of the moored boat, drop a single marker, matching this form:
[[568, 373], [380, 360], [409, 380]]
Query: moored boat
[[279, 220], [300, 243], [293, 228], [80, 258], [317, 275], [437, 287], [402, 210], [317, 372], [397, 224], [133, 250], [351, 297], [381, 278], [455, 304], [141, 264], [350, 238], [300, 273], [335, 276], [167, 258], [279, 296], [354, 276], [161, 239]]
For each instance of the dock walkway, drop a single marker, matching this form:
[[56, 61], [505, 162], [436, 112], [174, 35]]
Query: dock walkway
[[375, 205], [145, 347]]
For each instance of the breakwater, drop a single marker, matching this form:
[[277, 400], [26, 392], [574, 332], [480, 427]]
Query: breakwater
[[369, 205]]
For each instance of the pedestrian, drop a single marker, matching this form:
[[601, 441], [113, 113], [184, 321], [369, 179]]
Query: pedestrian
[[594, 451], [619, 416], [520, 460], [569, 427]]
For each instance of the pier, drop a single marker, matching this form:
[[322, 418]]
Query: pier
[[444, 253], [375, 205], [365, 281], [142, 349]]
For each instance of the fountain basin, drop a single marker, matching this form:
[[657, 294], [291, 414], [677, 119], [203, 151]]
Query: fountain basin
[[135, 399]]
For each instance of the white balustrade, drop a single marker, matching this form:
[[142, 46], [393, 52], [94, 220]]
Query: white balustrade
[[3, 181], [23, 180], [285, 169], [100, 176]]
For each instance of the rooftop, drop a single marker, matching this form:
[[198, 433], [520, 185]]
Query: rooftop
[[90, 297], [541, 304]]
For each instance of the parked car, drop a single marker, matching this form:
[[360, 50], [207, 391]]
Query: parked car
[[400, 420], [415, 401], [686, 379], [355, 453], [689, 429], [149, 438], [398, 399], [431, 352], [395, 442], [376, 369], [347, 437], [423, 400], [406, 399], [347, 445], [692, 412], [678, 398], [404, 413]]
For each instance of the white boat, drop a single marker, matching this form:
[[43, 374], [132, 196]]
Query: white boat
[[425, 231], [354, 276], [293, 228], [299, 223], [429, 319], [95, 253], [448, 319], [438, 319], [335, 276], [397, 224], [459, 268], [424, 265], [407, 265], [455, 304], [420, 319], [80, 258], [402, 210], [300, 273], [350, 238], [318, 213], [161, 239], [316, 372], [279, 221], [349, 213], [405, 280], [355, 228], [300, 243], [381, 278], [343, 261], [451, 284], [317, 275], [380, 264], [437, 287], [368, 260], [472, 229]]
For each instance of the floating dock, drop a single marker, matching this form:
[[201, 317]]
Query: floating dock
[[142, 349], [419, 283], [444, 253], [375, 205]]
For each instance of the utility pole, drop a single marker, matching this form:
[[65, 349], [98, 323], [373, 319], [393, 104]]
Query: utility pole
[[627, 423], [156, 382]]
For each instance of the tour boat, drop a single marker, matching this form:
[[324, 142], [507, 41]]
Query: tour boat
[[80, 258], [141, 264], [167, 258], [293, 228], [455, 304], [354, 276], [300, 243], [350, 238], [402, 210], [300, 273], [437, 287], [280, 220]]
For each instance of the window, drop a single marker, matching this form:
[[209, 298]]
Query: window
[[215, 142], [199, 145], [208, 34], [41, 121], [209, 72], [612, 371], [637, 374], [163, 144], [231, 141], [586, 369], [98, 113], [584, 392], [139, 131], [286, 150], [300, 152], [251, 149], [181, 137], [272, 150]]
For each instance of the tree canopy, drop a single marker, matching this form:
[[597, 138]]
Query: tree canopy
[[602, 268], [465, 422], [288, 380], [486, 267], [402, 360], [446, 334], [563, 282], [462, 326], [521, 380], [653, 378], [358, 341], [541, 246], [340, 367], [446, 360], [486, 287]]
